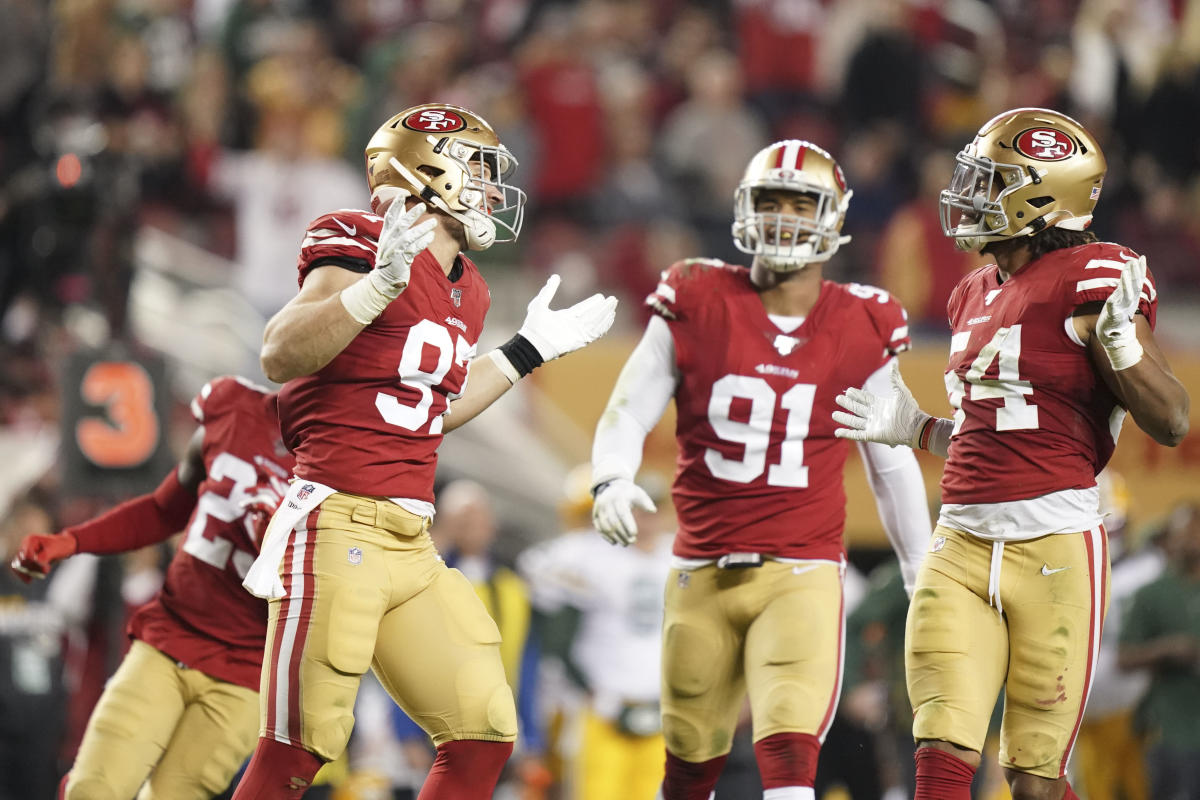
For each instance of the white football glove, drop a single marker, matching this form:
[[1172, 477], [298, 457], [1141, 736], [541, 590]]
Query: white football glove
[[612, 510], [556, 333], [888, 420], [1115, 326], [400, 242]]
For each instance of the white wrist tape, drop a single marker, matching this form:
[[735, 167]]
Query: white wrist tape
[[505, 366], [365, 301], [1124, 350]]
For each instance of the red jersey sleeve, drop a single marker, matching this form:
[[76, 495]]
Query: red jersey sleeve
[[1095, 274], [888, 317], [347, 238], [220, 393], [680, 288]]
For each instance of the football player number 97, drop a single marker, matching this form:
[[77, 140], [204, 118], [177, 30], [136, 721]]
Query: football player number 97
[[755, 434], [413, 417], [129, 437]]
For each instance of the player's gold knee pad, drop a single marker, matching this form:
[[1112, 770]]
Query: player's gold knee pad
[[502, 713], [89, 789], [352, 626], [690, 656], [330, 731], [682, 737]]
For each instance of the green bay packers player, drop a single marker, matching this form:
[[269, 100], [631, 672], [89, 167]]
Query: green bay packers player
[[754, 358], [180, 714], [1052, 344], [375, 352]]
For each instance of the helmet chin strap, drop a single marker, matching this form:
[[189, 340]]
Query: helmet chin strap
[[481, 231]]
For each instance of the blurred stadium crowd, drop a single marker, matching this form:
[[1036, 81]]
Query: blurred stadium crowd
[[197, 138]]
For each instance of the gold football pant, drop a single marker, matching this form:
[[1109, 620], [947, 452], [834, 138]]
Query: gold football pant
[[959, 651], [613, 765], [188, 733], [775, 631], [366, 589]]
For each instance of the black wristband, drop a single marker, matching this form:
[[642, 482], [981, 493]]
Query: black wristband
[[521, 353]]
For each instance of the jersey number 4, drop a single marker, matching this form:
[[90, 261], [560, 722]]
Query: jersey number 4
[[755, 433], [1017, 413]]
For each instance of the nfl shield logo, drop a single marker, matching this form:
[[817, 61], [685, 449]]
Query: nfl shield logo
[[683, 580], [354, 556], [305, 491], [456, 297]]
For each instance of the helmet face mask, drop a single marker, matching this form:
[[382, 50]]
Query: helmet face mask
[[785, 242], [1026, 170], [451, 159]]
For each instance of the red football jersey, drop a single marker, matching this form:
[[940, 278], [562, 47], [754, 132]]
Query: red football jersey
[[1032, 415], [203, 617], [370, 422], [759, 469]]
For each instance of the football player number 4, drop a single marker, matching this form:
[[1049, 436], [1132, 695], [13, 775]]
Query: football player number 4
[[413, 416], [755, 433]]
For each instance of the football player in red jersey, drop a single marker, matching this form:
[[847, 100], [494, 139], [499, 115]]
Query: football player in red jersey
[[180, 713], [375, 352], [1052, 344], [754, 358]]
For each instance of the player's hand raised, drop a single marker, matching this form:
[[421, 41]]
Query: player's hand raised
[[612, 510], [555, 333], [1115, 325], [401, 240], [39, 552], [888, 420]]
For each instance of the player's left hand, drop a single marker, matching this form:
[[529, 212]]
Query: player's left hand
[[39, 552], [1115, 325], [888, 420], [556, 333]]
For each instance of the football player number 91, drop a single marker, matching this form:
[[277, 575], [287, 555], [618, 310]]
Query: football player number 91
[[755, 434], [414, 417]]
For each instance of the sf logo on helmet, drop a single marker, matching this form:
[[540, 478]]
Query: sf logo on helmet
[[1045, 144], [434, 120]]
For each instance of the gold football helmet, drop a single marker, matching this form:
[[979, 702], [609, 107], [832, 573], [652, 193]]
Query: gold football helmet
[[785, 242], [1028, 169], [451, 159]]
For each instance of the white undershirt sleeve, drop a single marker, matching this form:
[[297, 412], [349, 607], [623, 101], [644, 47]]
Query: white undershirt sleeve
[[895, 480], [643, 389]]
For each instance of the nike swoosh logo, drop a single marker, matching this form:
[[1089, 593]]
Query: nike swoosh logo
[[798, 570], [350, 230], [1047, 571]]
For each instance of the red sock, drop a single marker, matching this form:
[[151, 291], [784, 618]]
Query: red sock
[[1070, 793], [686, 780], [277, 771], [787, 759], [62, 787], [466, 770], [941, 776]]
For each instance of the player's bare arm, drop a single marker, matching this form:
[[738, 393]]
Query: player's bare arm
[[312, 328], [140, 522], [335, 304], [1148, 389], [545, 335]]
